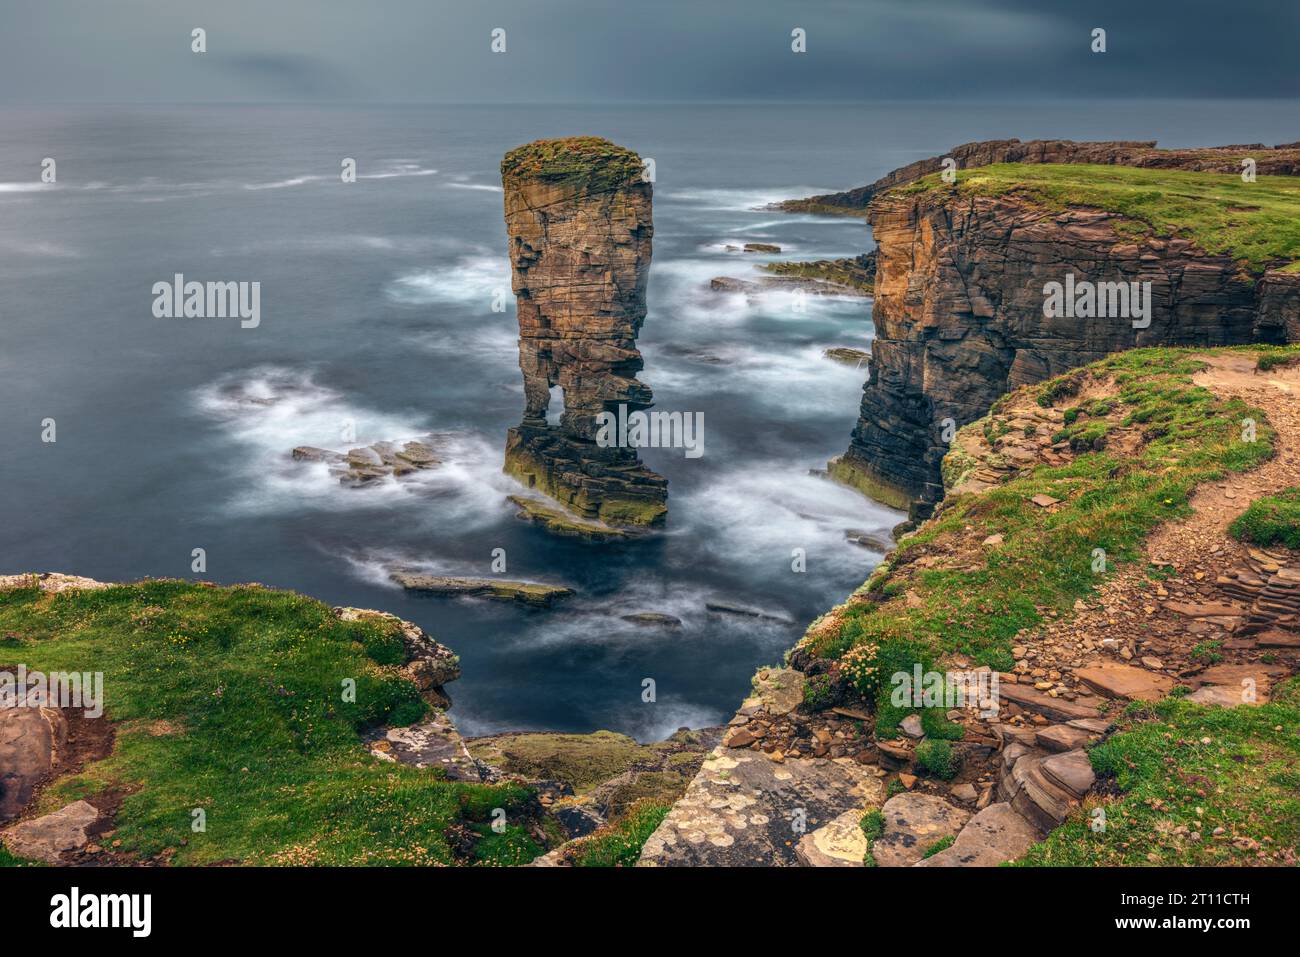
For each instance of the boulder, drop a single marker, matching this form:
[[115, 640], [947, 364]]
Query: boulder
[[49, 837], [1125, 681], [994, 835], [841, 843], [32, 741], [913, 823]]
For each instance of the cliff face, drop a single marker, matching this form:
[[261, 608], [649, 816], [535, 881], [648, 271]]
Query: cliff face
[[579, 222], [959, 318], [1283, 160]]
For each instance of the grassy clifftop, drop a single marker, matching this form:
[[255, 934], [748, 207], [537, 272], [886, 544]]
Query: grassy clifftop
[[231, 700], [1257, 223], [1119, 448], [973, 600]]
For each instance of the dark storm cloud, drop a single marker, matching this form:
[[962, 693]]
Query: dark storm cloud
[[284, 76], [597, 50]]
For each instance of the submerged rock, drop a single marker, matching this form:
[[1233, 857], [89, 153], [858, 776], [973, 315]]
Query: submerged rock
[[732, 608], [653, 618], [370, 463], [529, 593]]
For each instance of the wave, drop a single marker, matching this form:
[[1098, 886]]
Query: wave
[[765, 510], [472, 280], [269, 410], [483, 187], [738, 200]]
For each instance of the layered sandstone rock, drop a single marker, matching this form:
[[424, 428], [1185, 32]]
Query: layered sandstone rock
[[960, 321], [578, 216]]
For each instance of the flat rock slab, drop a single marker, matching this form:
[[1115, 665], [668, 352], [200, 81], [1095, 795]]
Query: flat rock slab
[[1125, 681], [914, 822], [841, 843], [1058, 709], [432, 742], [1213, 609], [1071, 771], [48, 838], [994, 835], [499, 589], [780, 690], [1244, 681], [1276, 638], [740, 810], [1062, 737], [1221, 695]]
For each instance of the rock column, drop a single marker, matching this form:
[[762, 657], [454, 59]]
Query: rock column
[[578, 218]]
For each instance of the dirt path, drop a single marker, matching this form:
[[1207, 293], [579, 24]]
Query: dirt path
[[1217, 504], [1203, 621]]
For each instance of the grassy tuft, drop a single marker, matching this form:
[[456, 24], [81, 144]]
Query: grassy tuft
[[619, 844], [1271, 520]]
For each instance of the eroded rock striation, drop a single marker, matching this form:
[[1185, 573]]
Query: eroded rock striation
[[578, 217], [959, 304]]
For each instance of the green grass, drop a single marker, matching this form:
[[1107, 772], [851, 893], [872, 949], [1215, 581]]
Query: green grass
[[1108, 500], [619, 844], [230, 700], [936, 758], [852, 272], [1271, 520], [1257, 223], [940, 845], [873, 826], [1180, 768]]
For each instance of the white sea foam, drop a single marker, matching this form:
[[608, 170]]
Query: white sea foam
[[471, 279], [270, 410], [481, 187], [737, 200], [757, 514]]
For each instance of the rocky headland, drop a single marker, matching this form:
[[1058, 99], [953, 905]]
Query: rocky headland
[[579, 223], [961, 268], [1172, 660]]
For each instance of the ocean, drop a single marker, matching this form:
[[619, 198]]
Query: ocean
[[376, 313]]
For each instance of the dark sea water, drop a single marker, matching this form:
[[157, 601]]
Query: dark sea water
[[376, 309]]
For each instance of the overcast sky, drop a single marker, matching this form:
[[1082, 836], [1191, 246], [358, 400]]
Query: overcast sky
[[138, 51]]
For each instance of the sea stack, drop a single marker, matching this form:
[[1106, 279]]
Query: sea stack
[[578, 218]]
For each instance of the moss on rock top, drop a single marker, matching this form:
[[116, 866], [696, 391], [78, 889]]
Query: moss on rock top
[[588, 162]]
